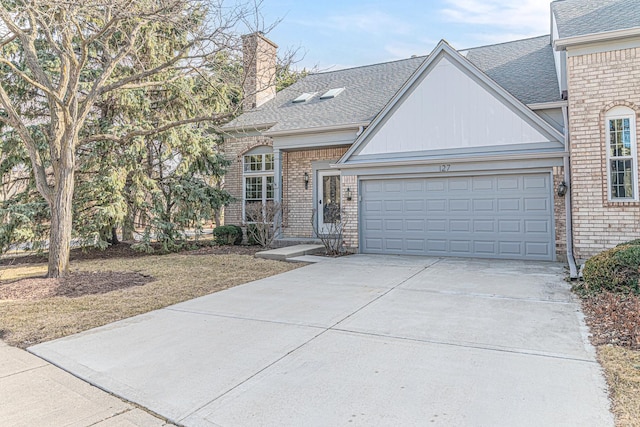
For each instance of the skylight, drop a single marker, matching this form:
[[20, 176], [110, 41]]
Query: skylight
[[332, 93], [304, 97]]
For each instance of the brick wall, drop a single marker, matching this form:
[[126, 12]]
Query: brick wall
[[597, 83], [559, 213], [350, 208], [298, 201]]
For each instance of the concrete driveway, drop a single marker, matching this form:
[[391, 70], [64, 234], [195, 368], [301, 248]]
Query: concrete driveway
[[359, 340]]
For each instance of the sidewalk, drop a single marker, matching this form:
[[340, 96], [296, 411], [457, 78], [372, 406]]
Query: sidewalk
[[35, 393]]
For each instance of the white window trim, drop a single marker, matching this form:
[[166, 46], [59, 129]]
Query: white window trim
[[615, 113], [248, 174]]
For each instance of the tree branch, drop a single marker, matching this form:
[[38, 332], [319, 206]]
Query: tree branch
[[36, 160], [110, 137]]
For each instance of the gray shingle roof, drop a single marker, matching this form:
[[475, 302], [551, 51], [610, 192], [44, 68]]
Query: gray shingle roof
[[581, 17], [525, 68], [367, 90]]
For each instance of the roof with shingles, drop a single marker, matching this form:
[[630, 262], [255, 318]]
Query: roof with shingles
[[582, 17], [525, 68]]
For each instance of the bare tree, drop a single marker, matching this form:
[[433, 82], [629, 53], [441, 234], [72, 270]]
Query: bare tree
[[264, 222], [67, 55], [332, 234]]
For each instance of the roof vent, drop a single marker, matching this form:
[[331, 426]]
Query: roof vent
[[304, 97], [332, 93]]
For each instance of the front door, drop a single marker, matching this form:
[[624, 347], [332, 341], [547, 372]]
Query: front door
[[328, 208]]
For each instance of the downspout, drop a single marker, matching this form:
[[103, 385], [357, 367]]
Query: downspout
[[573, 269]]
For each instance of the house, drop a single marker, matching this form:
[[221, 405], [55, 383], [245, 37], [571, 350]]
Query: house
[[519, 150]]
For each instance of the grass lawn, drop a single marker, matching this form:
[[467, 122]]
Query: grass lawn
[[622, 370], [44, 313], [614, 323]]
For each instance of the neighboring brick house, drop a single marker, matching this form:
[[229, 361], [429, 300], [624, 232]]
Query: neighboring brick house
[[459, 153]]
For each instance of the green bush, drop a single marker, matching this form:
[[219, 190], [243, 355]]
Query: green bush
[[615, 270], [227, 235], [635, 242]]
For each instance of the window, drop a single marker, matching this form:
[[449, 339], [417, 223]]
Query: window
[[622, 159], [258, 178]]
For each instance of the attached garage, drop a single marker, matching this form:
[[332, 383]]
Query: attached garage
[[488, 216]]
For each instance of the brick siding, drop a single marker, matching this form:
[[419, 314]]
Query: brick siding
[[598, 82], [298, 201]]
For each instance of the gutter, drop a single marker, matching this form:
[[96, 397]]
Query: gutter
[[319, 129], [564, 43], [573, 269]]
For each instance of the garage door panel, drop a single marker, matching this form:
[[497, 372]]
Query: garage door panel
[[460, 205], [535, 182], [510, 248], [509, 205], [435, 225], [393, 225], [460, 225], [509, 183], [499, 216], [509, 226], [459, 184], [416, 245], [484, 226], [414, 206], [484, 205], [482, 247], [536, 249], [417, 186], [483, 184], [536, 226], [436, 185], [415, 225], [372, 225], [536, 204], [436, 206], [373, 206], [460, 247]]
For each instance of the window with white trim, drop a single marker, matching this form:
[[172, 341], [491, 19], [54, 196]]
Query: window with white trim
[[257, 178], [622, 154]]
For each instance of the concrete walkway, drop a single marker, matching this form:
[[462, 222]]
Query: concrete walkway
[[35, 393], [359, 340]]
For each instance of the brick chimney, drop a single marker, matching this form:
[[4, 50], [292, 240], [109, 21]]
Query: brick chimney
[[259, 60]]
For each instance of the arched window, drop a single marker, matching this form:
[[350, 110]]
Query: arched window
[[257, 178], [622, 154]]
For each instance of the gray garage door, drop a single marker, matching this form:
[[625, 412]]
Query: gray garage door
[[498, 216]]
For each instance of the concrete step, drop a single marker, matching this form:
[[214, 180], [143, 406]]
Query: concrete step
[[282, 254]]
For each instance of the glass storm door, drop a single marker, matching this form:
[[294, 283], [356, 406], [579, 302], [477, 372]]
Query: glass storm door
[[328, 213]]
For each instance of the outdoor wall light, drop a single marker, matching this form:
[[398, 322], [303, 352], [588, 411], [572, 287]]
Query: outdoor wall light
[[306, 180], [348, 194], [562, 189]]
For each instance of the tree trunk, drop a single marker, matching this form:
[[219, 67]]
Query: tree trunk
[[61, 218], [128, 226]]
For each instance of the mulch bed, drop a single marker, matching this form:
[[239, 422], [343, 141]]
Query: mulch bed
[[123, 250], [613, 319], [73, 285]]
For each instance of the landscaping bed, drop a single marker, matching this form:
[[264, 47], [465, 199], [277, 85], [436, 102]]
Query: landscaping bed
[[611, 304]]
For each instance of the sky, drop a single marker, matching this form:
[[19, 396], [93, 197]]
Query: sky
[[334, 34]]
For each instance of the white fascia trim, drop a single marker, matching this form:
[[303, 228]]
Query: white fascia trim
[[319, 129], [247, 128], [563, 43], [547, 105], [552, 155]]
